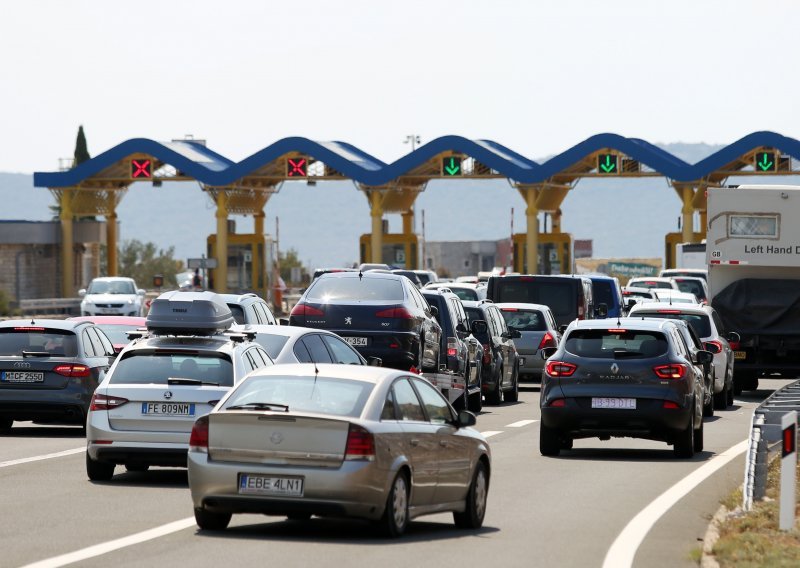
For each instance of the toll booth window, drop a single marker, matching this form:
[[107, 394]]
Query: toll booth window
[[753, 226]]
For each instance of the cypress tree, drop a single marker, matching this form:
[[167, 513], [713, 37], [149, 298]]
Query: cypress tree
[[81, 151]]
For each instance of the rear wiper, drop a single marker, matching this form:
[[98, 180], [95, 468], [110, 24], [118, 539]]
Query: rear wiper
[[36, 354], [183, 381], [260, 406]]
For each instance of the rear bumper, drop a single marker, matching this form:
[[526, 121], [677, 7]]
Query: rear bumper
[[62, 409], [533, 365], [134, 446], [403, 356], [120, 455]]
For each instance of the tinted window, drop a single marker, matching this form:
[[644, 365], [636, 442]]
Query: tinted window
[[117, 333], [524, 320], [319, 354], [264, 313], [424, 277], [466, 294], [326, 289], [608, 344], [237, 312], [56, 342], [302, 353], [152, 367], [475, 314], [718, 323], [273, 344], [99, 348], [499, 322], [437, 408], [407, 402], [692, 287], [88, 345], [699, 322], [342, 352], [388, 412], [559, 296], [604, 292]]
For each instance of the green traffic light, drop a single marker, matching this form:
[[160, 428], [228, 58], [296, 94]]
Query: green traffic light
[[451, 166], [607, 164], [765, 162]]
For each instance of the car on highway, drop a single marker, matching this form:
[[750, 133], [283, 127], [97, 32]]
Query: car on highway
[[568, 297], [142, 412], [116, 328], [606, 291], [410, 274], [465, 291], [695, 345], [693, 285], [653, 282], [632, 295], [673, 272], [249, 308], [287, 344], [112, 296], [49, 370], [631, 377], [538, 330], [709, 327], [500, 361], [338, 441], [382, 315]]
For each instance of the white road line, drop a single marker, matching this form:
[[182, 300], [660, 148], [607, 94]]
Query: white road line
[[520, 424], [623, 550], [490, 433], [9, 463], [112, 545]]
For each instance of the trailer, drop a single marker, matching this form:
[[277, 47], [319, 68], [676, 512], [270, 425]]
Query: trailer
[[451, 385], [753, 255]]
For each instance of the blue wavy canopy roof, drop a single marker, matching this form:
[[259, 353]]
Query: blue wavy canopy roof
[[208, 167]]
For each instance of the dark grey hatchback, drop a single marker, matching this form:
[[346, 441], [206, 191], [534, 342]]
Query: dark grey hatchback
[[627, 377], [49, 370]]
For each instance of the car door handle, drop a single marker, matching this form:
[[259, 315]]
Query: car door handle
[[414, 442]]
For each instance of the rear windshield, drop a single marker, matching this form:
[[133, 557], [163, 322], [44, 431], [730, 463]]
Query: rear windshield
[[116, 287], [148, 367], [559, 296], [272, 344], [524, 320], [424, 277], [616, 344], [117, 333], [651, 284], [55, 342], [699, 322], [604, 293], [466, 294], [327, 289], [692, 287], [324, 395]]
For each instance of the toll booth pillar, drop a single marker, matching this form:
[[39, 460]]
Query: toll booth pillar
[[408, 222], [555, 221], [532, 231], [703, 222], [111, 243], [376, 211], [67, 250], [258, 260], [687, 225], [221, 273]]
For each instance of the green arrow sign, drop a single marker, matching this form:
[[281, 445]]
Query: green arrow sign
[[451, 166], [607, 164], [765, 162]]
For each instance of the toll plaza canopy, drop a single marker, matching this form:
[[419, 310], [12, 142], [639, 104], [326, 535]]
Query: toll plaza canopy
[[96, 186]]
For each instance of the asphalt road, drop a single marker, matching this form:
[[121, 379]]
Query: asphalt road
[[564, 511]]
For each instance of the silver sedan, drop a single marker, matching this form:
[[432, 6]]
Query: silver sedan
[[341, 441]]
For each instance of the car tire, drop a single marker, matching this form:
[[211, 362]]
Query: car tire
[[512, 395], [5, 423], [708, 407], [721, 399], [209, 521], [475, 507], [566, 443], [136, 467], [395, 517], [684, 442], [698, 438], [751, 383], [475, 402], [549, 441], [99, 470]]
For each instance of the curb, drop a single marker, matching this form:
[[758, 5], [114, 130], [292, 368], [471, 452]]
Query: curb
[[710, 538]]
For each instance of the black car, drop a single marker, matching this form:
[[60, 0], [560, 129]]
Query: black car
[[500, 362], [49, 370], [628, 377], [460, 352], [568, 297], [380, 314]]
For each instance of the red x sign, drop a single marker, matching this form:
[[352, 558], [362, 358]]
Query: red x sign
[[296, 167], [141, 169]]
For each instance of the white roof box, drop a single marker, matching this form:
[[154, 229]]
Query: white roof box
[[188, 313]]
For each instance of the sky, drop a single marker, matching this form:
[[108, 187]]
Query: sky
[[536, 76]]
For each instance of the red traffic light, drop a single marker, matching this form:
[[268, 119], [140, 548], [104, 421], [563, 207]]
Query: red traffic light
[[296, 167], [142, 169]]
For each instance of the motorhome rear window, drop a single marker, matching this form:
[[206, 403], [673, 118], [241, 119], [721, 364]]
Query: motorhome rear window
[[327, 289], [559, 295], [753, 226], [616, 343]]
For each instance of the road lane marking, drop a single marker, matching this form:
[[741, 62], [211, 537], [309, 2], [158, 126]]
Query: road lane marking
[[623, 550], [490, 433], [9, 463], [112, 545], [520, 424]]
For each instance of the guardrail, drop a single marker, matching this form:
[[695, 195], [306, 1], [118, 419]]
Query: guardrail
[[765, 436], [70, 306]]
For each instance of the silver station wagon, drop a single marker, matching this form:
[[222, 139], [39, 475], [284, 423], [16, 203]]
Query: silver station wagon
[[339, 441]]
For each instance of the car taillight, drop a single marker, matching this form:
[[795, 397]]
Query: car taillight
[[670, 405], [397, 313], [547, 341], [72, 370], [198, 439], [452, 346], [360, 444], [560, 369], [558, 403], [306, 310], [104, 402], [674, 371], [714, 346], [487, 354]]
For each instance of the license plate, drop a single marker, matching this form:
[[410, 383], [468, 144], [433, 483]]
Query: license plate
[[740, 354], [251, 484], [108, 311], [615, 403], [21, 377], [356, 341], [168, 409]]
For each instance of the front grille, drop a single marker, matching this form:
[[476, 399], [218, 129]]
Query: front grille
[[109, 305]]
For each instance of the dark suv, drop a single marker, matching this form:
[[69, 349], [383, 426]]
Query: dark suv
[[460, 351], [380, 314], [49, 369], [500, 362]]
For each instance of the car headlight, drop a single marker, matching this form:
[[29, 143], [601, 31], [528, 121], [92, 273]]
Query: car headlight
[[130, 301]]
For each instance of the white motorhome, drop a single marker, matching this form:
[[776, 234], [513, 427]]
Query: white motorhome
[[753, 253]]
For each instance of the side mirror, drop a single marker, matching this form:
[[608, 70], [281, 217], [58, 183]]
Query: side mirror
[[479, 327], [734, 337], [375, 361], [547, 352], [601, 311], [630, 302], [514, 333], [82, 292], [283, 321], [141, 292], [435, 311], [705, 357], [466, 418]]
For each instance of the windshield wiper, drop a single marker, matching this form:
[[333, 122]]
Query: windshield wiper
[[36, 354], [259, 406], [184, 381]]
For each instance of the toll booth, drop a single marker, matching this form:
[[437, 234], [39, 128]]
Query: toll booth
[[399, 249], [555, 254], [670, 246], [247, 263]]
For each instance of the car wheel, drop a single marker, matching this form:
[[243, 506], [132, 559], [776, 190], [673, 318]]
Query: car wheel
[[566, 443], [512, 395], [721, 399], [209, 521], [136, 467], [5, 423], [395, 516], [549, 441], [698, 438], [751, 383], [99, 470], [684, 443], [472, 517], [475, 402]]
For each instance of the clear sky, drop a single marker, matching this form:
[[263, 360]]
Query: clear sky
[[537, 76]]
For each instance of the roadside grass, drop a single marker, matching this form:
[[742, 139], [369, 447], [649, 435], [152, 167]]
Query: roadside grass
[[753, 539]]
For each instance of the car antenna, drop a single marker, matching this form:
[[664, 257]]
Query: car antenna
[[360, 274]]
